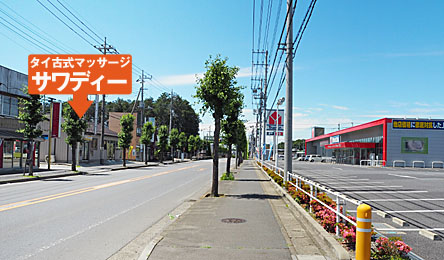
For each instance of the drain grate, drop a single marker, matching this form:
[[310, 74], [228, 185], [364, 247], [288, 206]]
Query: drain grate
[[233, 220]]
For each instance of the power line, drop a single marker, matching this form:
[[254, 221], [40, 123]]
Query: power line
[[49, 1], [79, 20], [41, 32], [49, 50], [58, 18]]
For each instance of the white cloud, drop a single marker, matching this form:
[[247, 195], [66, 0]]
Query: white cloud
[[190, 79], [340, 107]]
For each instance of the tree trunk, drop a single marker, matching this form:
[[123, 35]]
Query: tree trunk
[[215, 184], [146, 154], [124, 157], [228, 159], [237, 156], [31, 157], [73, 157]]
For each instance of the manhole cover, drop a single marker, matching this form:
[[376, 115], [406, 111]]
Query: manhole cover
[[233, 220]]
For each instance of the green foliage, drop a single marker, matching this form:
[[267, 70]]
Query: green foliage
[[147, 133], [182, 143], [184, 118], [217, 89], [191, 144], [162, 133], [227, 177], [30, 114], [74, 127], [197, 142], [126, 127], [174, 138]]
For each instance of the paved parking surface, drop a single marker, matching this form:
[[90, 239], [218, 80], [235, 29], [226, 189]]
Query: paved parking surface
[[412, 199]]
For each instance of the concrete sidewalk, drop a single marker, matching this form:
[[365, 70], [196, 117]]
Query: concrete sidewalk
[[63, 170], [250, 221]]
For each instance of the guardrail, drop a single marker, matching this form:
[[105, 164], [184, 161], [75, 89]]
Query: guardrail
[[398, 161], [369, 161], [313, 195], [439, 162], [423, 163], [362, 247]]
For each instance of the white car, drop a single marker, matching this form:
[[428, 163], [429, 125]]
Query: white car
[[315, 158]]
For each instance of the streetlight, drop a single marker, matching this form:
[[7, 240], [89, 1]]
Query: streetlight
[[280, 102]]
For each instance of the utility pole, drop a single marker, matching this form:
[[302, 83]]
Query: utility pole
[[265, 106], [141, 80], [288, 125], [171, 123], [261, 112], [104, 48], [50, 132]]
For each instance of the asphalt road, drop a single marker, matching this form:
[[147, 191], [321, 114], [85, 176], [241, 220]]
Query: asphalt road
[[413, 195], [93, 216]]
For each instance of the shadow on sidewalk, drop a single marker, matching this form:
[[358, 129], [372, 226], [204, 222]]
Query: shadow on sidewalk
[[255, 196], [250, 180]]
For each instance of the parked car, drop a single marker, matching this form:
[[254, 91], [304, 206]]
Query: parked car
[[306, 158], [315, 158], [301, 158]]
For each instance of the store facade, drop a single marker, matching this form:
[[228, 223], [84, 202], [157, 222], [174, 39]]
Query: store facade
[[384, 142]]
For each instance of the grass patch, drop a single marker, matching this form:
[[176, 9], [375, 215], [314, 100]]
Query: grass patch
[[227, 177]]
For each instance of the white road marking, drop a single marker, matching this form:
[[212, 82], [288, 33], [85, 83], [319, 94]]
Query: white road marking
[[409, 229], [440, 199], [406, 191], [61, 240], [338, 168], [368, 186], [356, 182], [416, 211], [403, 176]]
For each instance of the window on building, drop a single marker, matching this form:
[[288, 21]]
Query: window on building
[[6, 105]]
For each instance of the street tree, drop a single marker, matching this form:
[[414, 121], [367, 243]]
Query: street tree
[[191, 144], [30, 114], [145, 139], [197, 144], [174, 140], [241, 143], [215, 91], [74, 127], [182, 142], [125, 135], [162, 133], [230, 126]]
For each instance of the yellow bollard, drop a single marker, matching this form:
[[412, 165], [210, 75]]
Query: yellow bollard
[[363, 232]]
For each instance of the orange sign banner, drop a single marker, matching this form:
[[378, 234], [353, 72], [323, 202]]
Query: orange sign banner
[[79, 75]]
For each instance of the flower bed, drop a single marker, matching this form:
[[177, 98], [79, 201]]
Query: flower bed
[[384, 248]]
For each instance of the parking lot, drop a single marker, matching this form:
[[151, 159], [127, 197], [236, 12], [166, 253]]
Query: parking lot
[[406, 202]]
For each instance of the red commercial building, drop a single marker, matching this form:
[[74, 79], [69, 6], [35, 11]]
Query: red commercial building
[[386, 141]]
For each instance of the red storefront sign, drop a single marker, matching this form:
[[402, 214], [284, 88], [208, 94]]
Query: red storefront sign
[[350, 145], [56, 117]]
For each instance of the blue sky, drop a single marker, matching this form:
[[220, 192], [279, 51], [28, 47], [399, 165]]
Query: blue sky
[[358, 60]]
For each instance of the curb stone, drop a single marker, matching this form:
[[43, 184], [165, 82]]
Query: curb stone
[[339, 251]]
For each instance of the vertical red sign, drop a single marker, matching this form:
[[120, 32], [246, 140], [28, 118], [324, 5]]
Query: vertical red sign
[[1, 153], [56, 116]]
